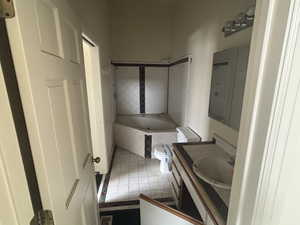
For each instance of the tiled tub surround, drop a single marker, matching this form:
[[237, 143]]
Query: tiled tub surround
[[139, 87], [132, 175], [131, 132]]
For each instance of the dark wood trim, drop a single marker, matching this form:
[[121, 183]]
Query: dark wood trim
[[177, 182], [199, 186], [195, 143], [175, 179], [14, 96], [88, 41], [180, 61], [183, 60], [171, 210], [221, 64], [173, 164], [139, 64], [175, 190]]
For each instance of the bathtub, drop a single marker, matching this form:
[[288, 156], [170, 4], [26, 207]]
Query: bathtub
[[139, 134]]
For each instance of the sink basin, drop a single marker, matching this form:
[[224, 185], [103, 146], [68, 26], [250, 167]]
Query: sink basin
[[215, 170]]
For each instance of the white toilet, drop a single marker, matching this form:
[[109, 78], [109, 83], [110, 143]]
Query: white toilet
[[163, 152]]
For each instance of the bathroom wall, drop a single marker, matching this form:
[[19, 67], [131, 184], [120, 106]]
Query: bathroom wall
[[140, 30], [128, 89], [179, 75], [95, 20], [196, 30]]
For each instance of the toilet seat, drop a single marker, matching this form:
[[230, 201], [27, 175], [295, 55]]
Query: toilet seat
[[162, 152]]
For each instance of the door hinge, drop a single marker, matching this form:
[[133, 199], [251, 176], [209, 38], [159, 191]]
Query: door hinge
[[44, 217], [7, 9]]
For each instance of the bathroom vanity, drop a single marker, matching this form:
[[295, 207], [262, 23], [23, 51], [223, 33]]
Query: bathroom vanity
[[193, 195]]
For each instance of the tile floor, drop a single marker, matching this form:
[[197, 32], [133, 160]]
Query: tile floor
[[132, 175]]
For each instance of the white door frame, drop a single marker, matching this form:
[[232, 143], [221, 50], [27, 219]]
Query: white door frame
[[269, 101], [95, 102]]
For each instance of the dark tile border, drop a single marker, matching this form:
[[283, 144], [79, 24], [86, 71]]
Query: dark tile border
[[140, 64], [142, 89], [106, 180], [183, 60], [148, 146]]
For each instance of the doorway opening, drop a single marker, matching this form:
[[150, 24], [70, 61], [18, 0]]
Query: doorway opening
[[94, 94]]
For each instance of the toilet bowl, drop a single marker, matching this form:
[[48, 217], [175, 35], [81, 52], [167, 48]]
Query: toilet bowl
[[163, 152]]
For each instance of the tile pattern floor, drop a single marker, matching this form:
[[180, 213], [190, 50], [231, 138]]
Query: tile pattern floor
[[132, 175]]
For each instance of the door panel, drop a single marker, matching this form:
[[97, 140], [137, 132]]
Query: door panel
[[48, 57], [66, 156], [49, 28], [15, 202], [7, 207], [78, 120], [71, 37]]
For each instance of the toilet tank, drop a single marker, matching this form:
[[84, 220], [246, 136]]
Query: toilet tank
[[185, 134]]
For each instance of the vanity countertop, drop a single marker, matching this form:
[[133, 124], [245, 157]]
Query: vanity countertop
[[216, 200], [196, 151]]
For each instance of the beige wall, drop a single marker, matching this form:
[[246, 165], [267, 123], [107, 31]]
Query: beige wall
[[196, 30], [95, 18], [140, 30]]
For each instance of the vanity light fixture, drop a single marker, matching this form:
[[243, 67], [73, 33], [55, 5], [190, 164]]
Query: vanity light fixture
[[242, 21]]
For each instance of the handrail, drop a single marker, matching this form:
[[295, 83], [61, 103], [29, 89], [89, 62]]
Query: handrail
[[171, 210]]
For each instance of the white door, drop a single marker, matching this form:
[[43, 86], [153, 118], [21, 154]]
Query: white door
[[46, 43], [15, 203], [156, 213]]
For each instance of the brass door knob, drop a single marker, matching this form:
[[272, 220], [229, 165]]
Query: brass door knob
[[96, 160]]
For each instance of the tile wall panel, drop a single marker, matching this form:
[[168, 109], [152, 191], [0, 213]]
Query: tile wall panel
[[127, 90], [156, 90], [178, 89]]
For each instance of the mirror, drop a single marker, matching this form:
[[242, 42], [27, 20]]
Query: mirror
[[227, 85]]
